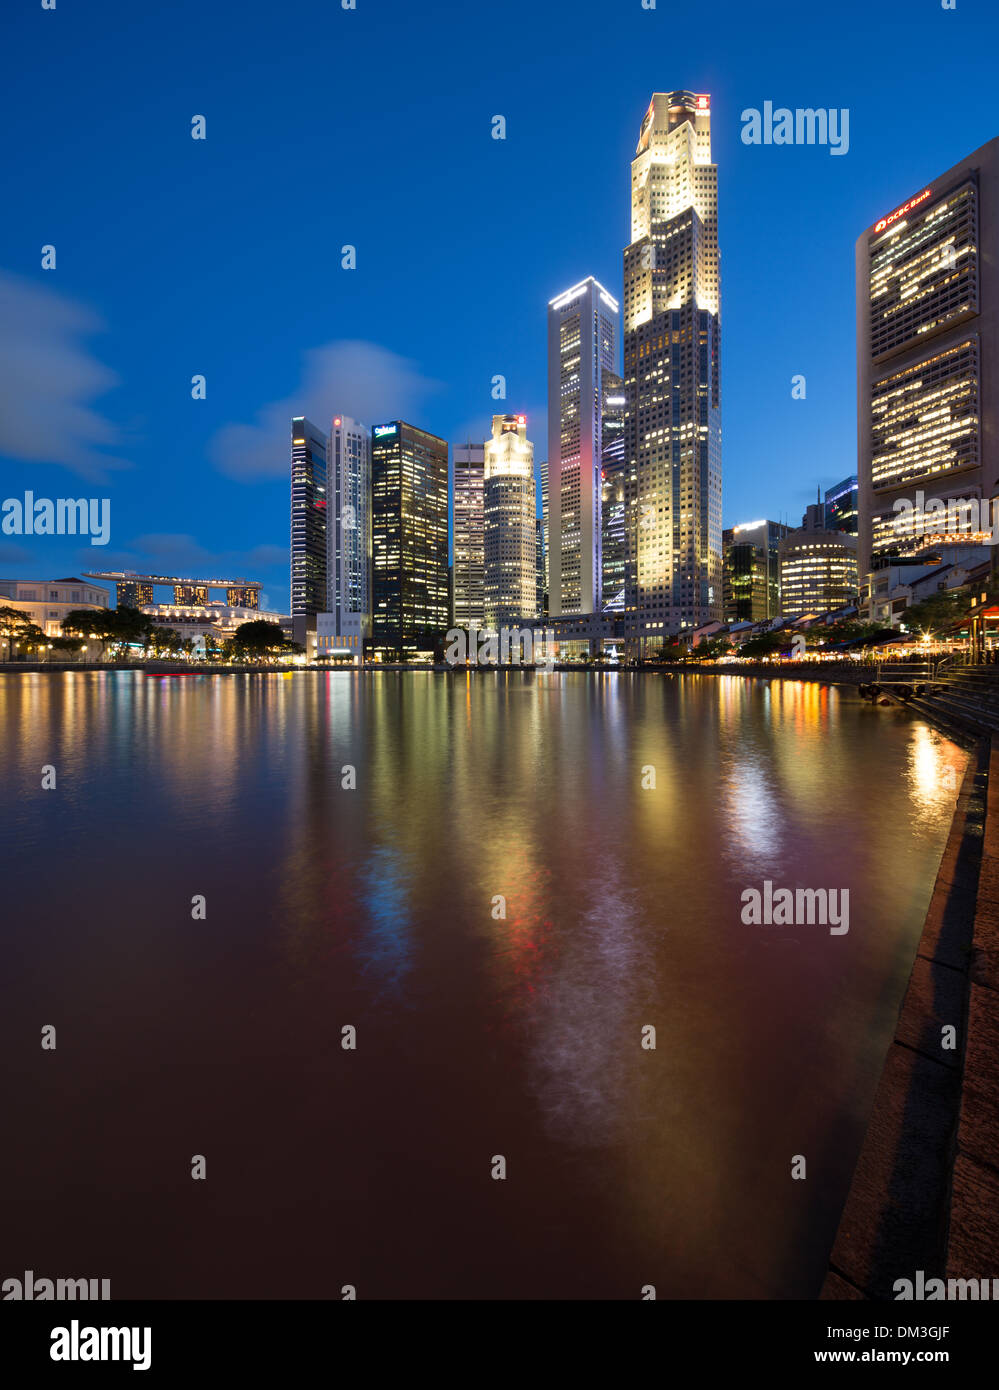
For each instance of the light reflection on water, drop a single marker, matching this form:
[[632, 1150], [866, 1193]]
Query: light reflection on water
[[480, 1031]]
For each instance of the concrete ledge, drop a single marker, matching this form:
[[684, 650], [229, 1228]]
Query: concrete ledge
[[897, 1213]]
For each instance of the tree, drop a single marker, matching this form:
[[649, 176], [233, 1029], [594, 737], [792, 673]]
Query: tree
[[260, 640], [942, 610], [114, 627], [67, 644], [165, 641], [845, 630], [710, 648], [89, 622], [132, 627], [15, 625], [763, 645]]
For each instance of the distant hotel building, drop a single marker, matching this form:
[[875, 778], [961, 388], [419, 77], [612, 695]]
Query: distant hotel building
[[210, 618], [409, 524], [752, 571], [510, 510], [673, 578], [468, 461], [349, 533], [928, 360], [308, 518], [818, 567], [841, 506], [47, 601], [612, 503], [138, 590], [582, 346]]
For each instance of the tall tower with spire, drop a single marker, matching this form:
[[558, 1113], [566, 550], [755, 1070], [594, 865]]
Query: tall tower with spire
[[671, 329]]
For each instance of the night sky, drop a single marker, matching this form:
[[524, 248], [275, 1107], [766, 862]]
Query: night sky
[[372, 127]]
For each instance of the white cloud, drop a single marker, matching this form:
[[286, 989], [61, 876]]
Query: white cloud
[[49, 381], [360, 379]]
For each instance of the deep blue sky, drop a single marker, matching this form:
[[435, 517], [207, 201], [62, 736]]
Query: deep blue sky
[[372, 127]]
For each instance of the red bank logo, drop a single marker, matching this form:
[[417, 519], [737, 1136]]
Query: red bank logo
[[900, 212]]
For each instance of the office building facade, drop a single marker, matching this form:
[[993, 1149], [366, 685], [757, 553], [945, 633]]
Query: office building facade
[[582, 346], [612, 495], [818, 567], [543, 473], [409, 528], [671, 318], [308, 519], [349, 534], [468, 462], [510, 524], [751, 586], [927, 276], [841, 506]]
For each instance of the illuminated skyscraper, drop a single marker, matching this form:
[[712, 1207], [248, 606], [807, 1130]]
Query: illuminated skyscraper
[[409, 542], [349, 538], [673, 578], [238, 596], [612, 506], [190, 594], [752, 571], [469, 535], [928, 362], [510, 508], [582, 346], [308, 518], [818, 568], [543, 470], [841, 506]]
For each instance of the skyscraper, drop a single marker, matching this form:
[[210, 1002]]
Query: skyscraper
[[510, 508], [409, 542], [540, 567], [469, 535], [308, 518], [928, 362], [752, 571], [673, 578], [582, 346], [818, 568], [841, 506], [543, 471], [349, 535], [612, 506]]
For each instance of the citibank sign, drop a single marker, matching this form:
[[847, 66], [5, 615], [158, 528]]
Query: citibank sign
[[900, 212], [382, 430]]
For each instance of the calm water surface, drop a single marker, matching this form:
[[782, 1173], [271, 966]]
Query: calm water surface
[[476, 1035]]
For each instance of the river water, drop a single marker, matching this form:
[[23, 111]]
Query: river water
[[502, 906]]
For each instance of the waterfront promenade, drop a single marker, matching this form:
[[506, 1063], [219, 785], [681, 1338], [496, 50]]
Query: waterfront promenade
[[925, 1192]]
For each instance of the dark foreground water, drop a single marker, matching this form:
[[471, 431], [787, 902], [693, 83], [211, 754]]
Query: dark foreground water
[[477, 1035]]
